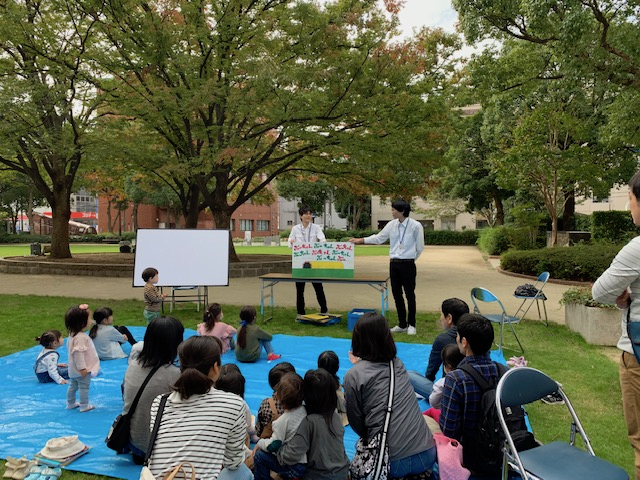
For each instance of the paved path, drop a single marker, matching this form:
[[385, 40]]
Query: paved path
[[443, 272]]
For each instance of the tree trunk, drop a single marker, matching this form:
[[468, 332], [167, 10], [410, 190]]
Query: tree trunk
[[193, 209], [61, 213], [499, 210], [569, 211], [109, 220], [30, 211], [554, 230], [134, 216], [223, 217]]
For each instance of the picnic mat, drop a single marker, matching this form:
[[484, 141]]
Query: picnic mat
[[31, 413]]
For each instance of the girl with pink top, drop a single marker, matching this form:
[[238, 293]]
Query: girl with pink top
[[83, 358], [213, 326]]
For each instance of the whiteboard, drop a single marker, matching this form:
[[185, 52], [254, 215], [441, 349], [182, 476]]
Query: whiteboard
[[183, 257]]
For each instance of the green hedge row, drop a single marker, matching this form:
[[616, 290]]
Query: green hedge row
[[101, 237], [614, 226], [431, 237], [583, 263], [498, 240]]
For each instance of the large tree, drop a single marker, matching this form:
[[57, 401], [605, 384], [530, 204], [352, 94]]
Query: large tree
[[243, 91], [46, 104]]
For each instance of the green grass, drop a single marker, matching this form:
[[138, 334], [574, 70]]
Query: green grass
[[14, 250], [589, 373]]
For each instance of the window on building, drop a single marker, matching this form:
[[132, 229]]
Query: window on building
[[482, 224], [246, 225], [263, 225], [232, 227], [448, 223]]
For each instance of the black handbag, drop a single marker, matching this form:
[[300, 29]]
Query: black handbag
[[119, 434]]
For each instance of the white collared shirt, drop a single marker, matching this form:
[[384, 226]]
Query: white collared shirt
[[406, 239], [313, 233]]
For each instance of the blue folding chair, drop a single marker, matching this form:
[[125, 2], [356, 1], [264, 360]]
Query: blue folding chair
[[556, 460], [479, 294], [537, 298]]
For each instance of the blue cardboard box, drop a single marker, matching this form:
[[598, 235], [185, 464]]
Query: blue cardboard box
[[355, 314]]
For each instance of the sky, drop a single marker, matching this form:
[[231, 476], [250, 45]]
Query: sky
[[432, 13]]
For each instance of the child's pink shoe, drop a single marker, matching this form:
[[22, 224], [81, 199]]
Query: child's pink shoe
[[273, 356]]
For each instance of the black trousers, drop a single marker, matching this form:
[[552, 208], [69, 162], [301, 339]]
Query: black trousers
[[322, 300], [403, 280]]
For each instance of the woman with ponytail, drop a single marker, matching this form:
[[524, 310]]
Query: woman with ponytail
[[200, 424]]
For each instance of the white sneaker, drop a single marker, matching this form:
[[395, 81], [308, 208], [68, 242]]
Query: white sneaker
[[411, 330], [398, 329]]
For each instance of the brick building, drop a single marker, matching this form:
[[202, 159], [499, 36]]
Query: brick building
[[260, 220]]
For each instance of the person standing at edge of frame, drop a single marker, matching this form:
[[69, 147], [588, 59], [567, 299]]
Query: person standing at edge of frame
[[307, 231], [406, 239]]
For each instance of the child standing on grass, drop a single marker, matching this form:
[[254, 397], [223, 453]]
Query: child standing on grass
[[152, 297], [290, 394], [107, 337], [213, 325], [251, 338], [83, 358], [47, 368]]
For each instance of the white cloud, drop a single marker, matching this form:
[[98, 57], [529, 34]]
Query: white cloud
[[431, 13]]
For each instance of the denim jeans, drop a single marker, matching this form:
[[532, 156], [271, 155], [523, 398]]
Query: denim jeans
[[264, 463], [44, 377], [420, 384], [266, 344], [80, 385], [418, 463]]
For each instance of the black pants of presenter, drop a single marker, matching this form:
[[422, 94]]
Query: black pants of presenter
[[322, 300], [402, 273]]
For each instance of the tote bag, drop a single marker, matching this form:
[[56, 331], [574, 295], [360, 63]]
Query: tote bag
[[450, 458]]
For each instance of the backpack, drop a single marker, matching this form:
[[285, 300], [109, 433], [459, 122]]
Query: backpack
[[484, 455]]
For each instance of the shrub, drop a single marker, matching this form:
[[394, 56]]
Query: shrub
[[582, 262], [24, 238], [613, 225], [582, 296], [584, 223], [450, 237], [498, 240]]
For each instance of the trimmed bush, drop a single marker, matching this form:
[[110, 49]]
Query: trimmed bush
[[498, 240], [614, 225], [450, 237], [584, 263]]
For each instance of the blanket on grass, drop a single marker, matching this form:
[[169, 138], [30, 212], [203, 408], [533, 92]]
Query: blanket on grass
[[31, 413]]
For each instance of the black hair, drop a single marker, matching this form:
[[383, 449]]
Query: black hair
[[211, 314], [451, 355], [76, 319], [478, 331], [372, 339], [634, 185], [99, 316], [454, 307], [149, 273], [402, 206], [331, 363], [290, 391], [320, 395], [277, 372], [161, 341], [248, 314], [304, 209], [48, 337], [231, 379], [197, 356]]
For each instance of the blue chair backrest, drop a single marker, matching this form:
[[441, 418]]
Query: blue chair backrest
[[522, 385], [543, 277], [483, 294]]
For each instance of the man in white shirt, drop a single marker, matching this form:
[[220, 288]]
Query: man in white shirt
[[406, 238], [307, 231]]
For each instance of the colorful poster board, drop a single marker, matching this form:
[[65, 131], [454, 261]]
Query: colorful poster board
[[322, 260]]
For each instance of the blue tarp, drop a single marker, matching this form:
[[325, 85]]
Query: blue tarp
[[31, 412]]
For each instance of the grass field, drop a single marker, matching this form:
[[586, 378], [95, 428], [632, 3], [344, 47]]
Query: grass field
[[11, 250], [588, 373]]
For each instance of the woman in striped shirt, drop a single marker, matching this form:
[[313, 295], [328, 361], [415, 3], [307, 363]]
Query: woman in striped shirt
[[199, 424]]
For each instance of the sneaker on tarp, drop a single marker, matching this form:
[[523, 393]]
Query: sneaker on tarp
[[273, 356]]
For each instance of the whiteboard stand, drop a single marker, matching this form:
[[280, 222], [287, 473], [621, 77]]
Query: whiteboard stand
[[197, 293]]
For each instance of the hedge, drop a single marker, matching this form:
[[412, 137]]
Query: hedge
[[97, 238], [450, 237], [583, 263], [498, 240], [614, 225]]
